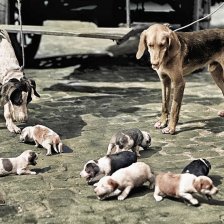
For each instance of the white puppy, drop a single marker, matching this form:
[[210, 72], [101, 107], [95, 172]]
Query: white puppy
[[18, 165], [43, 136], [182, 186], [123, 181]]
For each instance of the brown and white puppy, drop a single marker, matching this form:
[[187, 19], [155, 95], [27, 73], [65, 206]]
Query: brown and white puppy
[[182, 186], [123, 181], [43, 136], [16, 90], [18, 165], [176, 54], [107, 165], [129, 139]]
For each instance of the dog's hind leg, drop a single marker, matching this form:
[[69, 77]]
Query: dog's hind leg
[[166, 92], [55, 148], [60, 147], [217, 73], [47, 146]]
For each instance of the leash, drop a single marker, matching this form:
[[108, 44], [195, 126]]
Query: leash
[[181, 28], [21, 35]]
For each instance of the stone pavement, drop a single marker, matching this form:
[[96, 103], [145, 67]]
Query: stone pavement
[[86, 99]]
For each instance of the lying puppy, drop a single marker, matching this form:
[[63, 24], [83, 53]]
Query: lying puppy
[[182, 186], [16, 91], [129, 139], [123, 181], [199, 167], [43, 136], [107, 164], [18, 165]]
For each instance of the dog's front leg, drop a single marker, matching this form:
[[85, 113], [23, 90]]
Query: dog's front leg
[[178, 91], [166, 91], [9, 120], [21, 171], [124, 193]]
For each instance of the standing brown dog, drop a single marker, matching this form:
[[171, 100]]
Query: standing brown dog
[[175, 54]]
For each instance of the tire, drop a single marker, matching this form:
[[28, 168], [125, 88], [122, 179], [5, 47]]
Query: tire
[[29, 17]]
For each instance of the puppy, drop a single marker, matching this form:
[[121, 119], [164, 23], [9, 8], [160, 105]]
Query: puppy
[[182, 186], [43, 136], [129, 139], [107, 164], [199, 167], [18, 165], [123, 181]]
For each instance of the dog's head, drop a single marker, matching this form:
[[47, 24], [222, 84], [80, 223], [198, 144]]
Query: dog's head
[[90, 170], [146, 142], [105, 187], [30, 157], [26, 134], [205, 186], [161, 42], [19, 94]]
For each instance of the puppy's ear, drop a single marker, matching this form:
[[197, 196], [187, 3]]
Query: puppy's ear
[[141, 45], [32, 158], [33, 86], [113, 184]]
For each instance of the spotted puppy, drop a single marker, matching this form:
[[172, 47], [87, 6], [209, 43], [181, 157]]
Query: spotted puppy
[[182, 186], [43, 136], [123, 181], [129, 139], [18, 165], [198, 167], [107, 164]]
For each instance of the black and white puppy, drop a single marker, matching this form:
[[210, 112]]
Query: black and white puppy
[[107, 164], [198, 167], [129, 139], [18, 165]]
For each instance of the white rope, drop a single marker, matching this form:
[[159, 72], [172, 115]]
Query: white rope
[[21, 35], [199, 19]]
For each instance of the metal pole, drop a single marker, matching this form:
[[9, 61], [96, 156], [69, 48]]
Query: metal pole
[[128, 22]]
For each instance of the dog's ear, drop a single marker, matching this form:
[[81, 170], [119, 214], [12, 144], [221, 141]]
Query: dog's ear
[[6, 92], [174, 44], [32, 158], [113, 184], [141, 45], [32, 84]]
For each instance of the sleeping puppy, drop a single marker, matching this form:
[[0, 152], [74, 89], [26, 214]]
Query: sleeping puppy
[[182, 186], [199, 167], [129, 139], [43, 136], [18, 165], [123, 181], [107, 164]]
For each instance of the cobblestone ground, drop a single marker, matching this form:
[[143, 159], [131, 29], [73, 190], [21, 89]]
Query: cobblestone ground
[[86, 100]]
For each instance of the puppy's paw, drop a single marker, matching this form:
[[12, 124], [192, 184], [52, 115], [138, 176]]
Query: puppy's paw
[[48, 154], [121, 197], [33, 172], [158, 197], [194, 201], [168, 130]]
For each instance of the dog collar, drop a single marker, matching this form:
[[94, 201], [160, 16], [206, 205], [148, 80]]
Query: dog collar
[[204, 162]]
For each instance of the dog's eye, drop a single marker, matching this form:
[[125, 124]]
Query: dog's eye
[[150, 45], [162, 45]]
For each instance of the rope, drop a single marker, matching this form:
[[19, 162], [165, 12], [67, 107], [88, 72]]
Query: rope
[[21, 35], [181, 28]]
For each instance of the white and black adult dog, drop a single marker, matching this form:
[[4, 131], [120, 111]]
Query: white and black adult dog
[[129, 139], [107, 165], [16, 90], [198, 167], [18, 165]]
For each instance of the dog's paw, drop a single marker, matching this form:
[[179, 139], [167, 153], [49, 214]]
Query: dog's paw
[[33, 173], [14, 129], [168, 130], [159, 125], [48, 154], [120, 197], [194, 201], [221, 113], [158, 197]]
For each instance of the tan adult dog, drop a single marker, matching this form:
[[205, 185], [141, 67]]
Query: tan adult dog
[[43, 136], [16, 90], [182, 186], [176, 54]]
